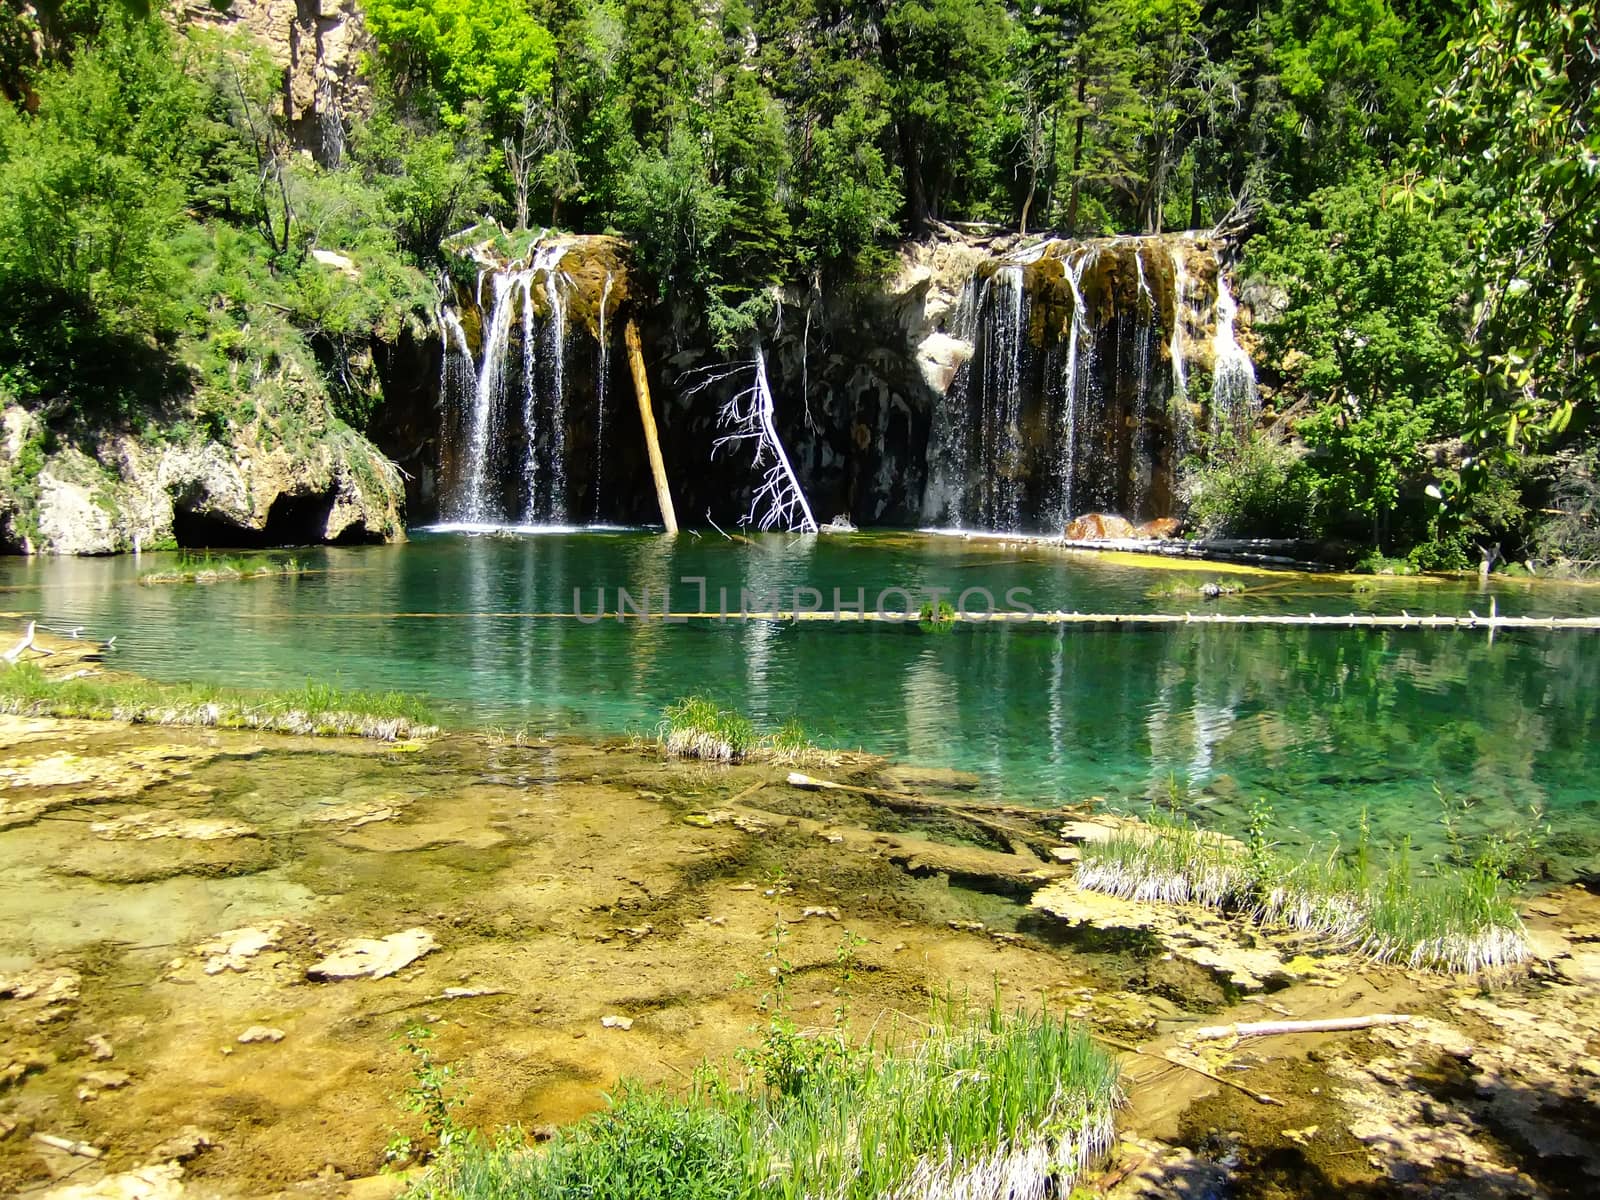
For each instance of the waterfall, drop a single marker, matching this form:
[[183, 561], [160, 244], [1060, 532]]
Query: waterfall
[[1235, 401], [1078, 331], [1069, 405], [603, 372], [1000, 439], [1180, 303], [508, 464], [1140, 465], [473, 504], [556, 333]]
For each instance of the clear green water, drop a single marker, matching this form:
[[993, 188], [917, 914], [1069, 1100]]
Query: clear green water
[[1322, 723]]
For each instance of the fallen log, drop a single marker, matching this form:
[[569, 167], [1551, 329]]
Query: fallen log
[[22, 647], [1244, 1029], [647, 418], [81, 1149]]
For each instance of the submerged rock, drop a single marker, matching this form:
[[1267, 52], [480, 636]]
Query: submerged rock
[[370, 958], [145, 826], [232, 949], [161, 1182]]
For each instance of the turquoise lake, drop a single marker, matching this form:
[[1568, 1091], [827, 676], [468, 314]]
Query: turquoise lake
[[1321, 723]]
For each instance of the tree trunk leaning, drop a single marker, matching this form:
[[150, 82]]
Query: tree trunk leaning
[[647, 417]]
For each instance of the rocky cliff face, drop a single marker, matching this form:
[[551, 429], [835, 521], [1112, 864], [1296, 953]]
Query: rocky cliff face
[[998, 383], [120, 491], [319, 45]]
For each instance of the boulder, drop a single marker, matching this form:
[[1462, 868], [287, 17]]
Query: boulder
[[1098, 527], [939, 357], [1161, 527]]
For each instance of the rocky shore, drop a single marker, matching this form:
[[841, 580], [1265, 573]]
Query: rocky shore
[[212, 940]]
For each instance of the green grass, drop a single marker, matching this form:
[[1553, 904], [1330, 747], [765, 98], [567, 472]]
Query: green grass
[[313, 709], [207, 569], [697, 727], [990, 1104], [1457, 920]]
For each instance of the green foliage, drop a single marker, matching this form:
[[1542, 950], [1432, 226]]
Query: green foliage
[[1370, 337], [940, 620], [206, 568], [432, 1096], [982, 1097], [1518, 127], [1247, 488], [92, 189], [491, 55], [698, 727]]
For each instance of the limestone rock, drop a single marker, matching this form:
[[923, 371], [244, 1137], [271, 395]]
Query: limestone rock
[[319, 46], [939, 357], [232, 949], [147, 826], [1098, 527], [161, 1182], [260, 1033], [933, 779], [374, 958], [119, 491]]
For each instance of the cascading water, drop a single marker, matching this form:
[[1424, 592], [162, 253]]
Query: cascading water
[[523, 351], [473, 502], [1077, 334], [555, 284], [1069, 404], [1235, 402], [602, 372], [1000, 439]]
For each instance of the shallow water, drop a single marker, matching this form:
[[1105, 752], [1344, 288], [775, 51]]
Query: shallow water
[[1322, 723]]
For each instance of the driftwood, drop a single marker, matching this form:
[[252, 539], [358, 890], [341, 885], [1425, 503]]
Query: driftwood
[[22, 647], [1246, 1029], [81, 1149]]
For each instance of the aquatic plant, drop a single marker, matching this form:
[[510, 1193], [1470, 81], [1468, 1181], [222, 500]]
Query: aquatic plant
[[315, 709], [984, 1105], [697, 727], [1458, 920], [206, 569]]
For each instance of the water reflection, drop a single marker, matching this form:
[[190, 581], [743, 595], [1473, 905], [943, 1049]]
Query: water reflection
[[1321, 723]]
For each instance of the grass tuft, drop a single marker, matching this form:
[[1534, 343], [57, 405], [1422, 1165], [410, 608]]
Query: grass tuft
[[315, 709], [986, 1106], [1459, 921], [207, 569], [697, 727]]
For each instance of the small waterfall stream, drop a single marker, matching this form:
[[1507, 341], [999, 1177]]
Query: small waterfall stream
[[1235, 402]]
